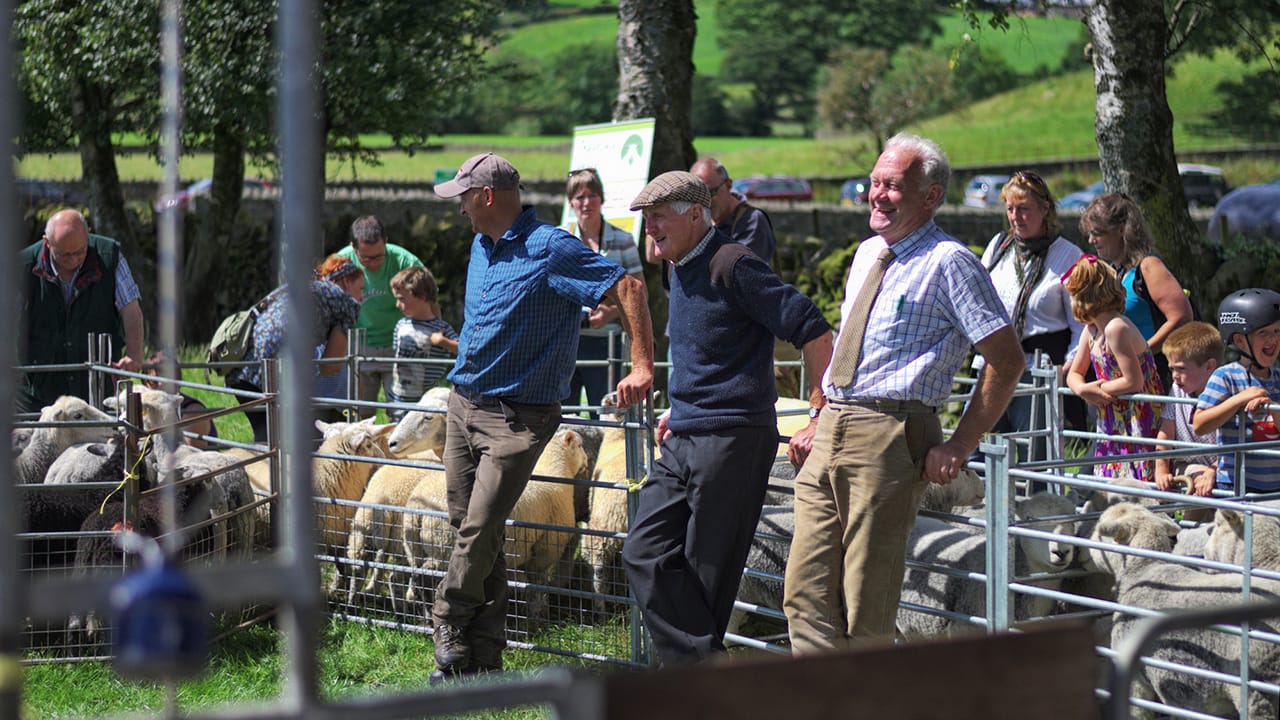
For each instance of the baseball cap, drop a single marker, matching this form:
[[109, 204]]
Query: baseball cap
[[673, 186], [484, 170]]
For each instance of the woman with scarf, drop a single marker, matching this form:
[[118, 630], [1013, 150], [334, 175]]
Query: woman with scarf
[[1025, 263]]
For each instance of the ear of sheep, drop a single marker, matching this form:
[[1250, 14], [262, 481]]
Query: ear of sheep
[[323, 427], [383, 430], [1231, 517]]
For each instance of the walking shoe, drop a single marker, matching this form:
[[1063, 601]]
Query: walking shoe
[[453, 653]]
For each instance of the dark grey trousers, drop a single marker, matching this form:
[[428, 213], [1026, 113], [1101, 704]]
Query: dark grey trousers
[[685, 551]]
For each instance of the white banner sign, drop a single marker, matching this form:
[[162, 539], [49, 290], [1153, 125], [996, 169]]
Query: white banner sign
[[620, 154]]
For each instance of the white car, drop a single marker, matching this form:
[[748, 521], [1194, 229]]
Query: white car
[[984, 191]]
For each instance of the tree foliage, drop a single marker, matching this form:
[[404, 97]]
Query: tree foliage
[[779, 46], [863, 90]]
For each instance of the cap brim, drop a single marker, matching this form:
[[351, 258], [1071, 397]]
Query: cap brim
[[450, 189]]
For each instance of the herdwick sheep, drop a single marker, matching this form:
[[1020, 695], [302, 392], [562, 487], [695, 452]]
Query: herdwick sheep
[[231, 490], [1226, 541], [1159, 585], [768, 553], [45, 509], [21, 439], [541, 553], [88, 462], [194, 503], [961, 548], [47, 443]]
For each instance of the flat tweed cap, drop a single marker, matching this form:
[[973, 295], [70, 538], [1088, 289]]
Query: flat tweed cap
[[484, 170], [673, 186]]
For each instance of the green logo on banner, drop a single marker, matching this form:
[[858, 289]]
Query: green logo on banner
[[632, 150]]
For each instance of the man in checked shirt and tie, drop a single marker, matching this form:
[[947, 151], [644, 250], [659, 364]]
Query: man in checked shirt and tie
[[915, 301]]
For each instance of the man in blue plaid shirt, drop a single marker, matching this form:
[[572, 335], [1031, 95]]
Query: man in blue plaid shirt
[[527, 283]]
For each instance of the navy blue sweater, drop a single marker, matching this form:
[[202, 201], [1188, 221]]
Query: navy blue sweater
[[722, 333]]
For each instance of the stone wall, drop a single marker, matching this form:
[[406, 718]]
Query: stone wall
[[815, 243]]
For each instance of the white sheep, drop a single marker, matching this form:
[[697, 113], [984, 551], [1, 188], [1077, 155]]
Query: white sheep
[[377, 533], [538, 552], [332, 479], [937, 542], [420, 430], [607, 511], [45, 444], [88, 462], [1161, 585]]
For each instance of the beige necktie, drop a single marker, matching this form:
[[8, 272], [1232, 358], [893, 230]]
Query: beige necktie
[[844, 362]]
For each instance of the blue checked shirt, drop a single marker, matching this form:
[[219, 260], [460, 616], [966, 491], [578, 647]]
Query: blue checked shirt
[[936, 300], [525, 294]]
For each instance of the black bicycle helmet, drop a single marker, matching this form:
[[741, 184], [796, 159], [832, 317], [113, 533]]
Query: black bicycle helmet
[[1244, 311]]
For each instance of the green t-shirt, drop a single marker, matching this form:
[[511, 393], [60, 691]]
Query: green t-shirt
[[378, 313]]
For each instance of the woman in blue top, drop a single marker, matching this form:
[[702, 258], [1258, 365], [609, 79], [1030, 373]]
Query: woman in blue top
[[1119, 232]]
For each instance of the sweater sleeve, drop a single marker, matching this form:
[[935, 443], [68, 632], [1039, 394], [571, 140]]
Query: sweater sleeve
[[778, 306]]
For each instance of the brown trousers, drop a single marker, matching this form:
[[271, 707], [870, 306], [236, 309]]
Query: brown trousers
[[856, 500]]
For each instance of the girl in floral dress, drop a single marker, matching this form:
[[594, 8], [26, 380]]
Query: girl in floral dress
[[1123, 364]]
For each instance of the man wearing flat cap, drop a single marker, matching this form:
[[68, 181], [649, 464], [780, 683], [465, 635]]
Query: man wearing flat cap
[[527, 282], [699, 507]]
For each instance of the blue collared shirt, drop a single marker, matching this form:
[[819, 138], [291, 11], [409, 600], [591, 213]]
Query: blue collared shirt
[[936, 300], [525, 293]]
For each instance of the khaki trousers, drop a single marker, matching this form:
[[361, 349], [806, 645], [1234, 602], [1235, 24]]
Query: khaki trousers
[[856, 500]]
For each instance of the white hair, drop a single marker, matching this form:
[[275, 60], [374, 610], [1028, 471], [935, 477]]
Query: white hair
[[932, 160], [681, 207]]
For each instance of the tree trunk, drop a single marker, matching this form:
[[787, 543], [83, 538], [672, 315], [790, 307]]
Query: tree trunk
[[92, 114], [655, 75], [206, 259], [1134, 127]]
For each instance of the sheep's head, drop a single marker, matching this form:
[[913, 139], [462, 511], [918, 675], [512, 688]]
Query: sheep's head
[[69, 408], [1226, 540], [1058, 513], [1133, 525], [364, 439], [21, 439], [416, 432], [563, 456]]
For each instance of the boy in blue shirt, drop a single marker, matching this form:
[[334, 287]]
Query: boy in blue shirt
[[1249, 321]]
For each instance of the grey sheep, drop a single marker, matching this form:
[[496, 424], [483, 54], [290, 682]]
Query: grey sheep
[[1161, 585], [962, 548]]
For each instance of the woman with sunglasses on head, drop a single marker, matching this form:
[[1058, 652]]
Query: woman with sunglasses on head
[[586, 197], [1025, 263], [1154, 299]]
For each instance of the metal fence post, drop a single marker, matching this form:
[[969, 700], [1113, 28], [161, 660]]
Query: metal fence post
[[999, 543]]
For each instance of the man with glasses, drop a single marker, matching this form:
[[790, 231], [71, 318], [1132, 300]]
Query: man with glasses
[[76, 283], [380, 261], [733, 215]]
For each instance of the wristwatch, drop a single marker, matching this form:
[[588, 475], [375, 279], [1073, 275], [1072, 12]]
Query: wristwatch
[[814, 411]]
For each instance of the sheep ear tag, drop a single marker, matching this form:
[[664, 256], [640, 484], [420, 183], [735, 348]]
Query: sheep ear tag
[[159, 621]]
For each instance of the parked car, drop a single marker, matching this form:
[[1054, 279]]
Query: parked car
[[984, 191], [854, 192], [1251, 212], [1204, 185], [183, 199], [1080, 199], [775, 188]]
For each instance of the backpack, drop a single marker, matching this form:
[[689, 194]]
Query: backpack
[[234, 335]]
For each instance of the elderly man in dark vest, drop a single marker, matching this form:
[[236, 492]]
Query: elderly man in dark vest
[[73, 283]]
